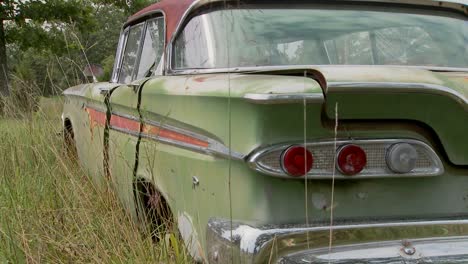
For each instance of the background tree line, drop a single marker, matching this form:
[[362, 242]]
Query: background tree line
[[46, 44]]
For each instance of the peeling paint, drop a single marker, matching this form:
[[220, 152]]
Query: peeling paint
[[190, 236], [319, 201], [248, 237]]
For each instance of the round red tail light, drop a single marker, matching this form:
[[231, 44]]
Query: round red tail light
[[351, 159], [297, 161]]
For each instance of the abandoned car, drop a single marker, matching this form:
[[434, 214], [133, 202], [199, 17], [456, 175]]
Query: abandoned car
[[298, 132]]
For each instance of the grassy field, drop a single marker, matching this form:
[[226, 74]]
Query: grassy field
[[50, 211]]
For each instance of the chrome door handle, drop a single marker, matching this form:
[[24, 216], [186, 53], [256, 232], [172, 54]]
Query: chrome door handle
[[104, 91]]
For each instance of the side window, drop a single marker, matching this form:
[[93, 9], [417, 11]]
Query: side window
[[191, 47], [118, 56], [153, 47], [130, 54]]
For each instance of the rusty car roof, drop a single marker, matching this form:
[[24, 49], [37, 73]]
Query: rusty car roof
[[176, 10]]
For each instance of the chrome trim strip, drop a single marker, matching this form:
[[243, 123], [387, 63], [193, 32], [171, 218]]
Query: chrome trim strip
[[256, 155], [361, 226], [215, 147], [452, 249], [397, 87], [96, 108], [127, 116], [284, 98]]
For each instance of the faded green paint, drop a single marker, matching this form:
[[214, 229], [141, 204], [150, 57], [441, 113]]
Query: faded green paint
[[202, 104], [439, 112]]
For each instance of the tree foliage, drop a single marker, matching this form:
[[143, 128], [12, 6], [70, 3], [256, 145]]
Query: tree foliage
[[47, 43]]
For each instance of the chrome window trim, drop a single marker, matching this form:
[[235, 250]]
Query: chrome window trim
[[456, 5], [254, 156], [284, 98], [255, 69], [118, 56]]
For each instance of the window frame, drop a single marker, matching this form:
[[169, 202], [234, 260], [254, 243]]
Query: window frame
[[119, 53], [116, 72]]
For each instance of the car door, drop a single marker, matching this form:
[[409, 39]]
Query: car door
[[85, 107], [140, 57]]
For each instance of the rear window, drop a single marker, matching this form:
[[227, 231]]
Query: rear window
[[322, 34]]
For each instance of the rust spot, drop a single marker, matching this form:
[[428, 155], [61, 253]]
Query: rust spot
[[406, 243], [201, 79], [96, 118]]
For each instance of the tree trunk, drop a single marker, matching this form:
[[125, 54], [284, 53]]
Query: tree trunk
[[4, 91]]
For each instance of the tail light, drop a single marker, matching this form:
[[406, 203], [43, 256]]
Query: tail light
[[366, 158], [351, 159], [297, 161], [402, 157]]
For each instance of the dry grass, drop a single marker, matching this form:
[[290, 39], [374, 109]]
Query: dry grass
[[50, 211]]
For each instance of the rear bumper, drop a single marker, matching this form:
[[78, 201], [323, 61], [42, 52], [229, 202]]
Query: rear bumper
[[394, 242]]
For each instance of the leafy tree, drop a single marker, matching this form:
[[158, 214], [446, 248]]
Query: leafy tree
[[38, 24], [130, 6], [48, 43]]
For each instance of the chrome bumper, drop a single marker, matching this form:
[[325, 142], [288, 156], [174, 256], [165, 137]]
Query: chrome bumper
[[394, 242]]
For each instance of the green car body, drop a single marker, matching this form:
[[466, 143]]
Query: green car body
[[197, 137]]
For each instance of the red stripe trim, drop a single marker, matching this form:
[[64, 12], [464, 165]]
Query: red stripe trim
[[125, 123], [131, 125], [172, 135], [96, 117]]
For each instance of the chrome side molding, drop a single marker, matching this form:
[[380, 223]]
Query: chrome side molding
[[284, 98]]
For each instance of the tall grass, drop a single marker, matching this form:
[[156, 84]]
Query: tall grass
[[51, 212]]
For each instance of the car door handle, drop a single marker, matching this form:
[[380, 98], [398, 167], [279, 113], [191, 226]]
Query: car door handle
[[105, 90]]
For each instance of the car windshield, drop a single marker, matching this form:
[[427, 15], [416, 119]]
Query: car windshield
[[320, 35]]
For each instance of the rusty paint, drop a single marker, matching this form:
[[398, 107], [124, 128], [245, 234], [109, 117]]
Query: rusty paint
[[96, 118], [201, 79]]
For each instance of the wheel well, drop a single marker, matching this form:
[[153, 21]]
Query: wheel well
[[69, 139], [68, 127], [152, 208]]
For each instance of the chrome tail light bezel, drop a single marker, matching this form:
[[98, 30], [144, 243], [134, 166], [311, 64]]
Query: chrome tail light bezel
[[376, 150]]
